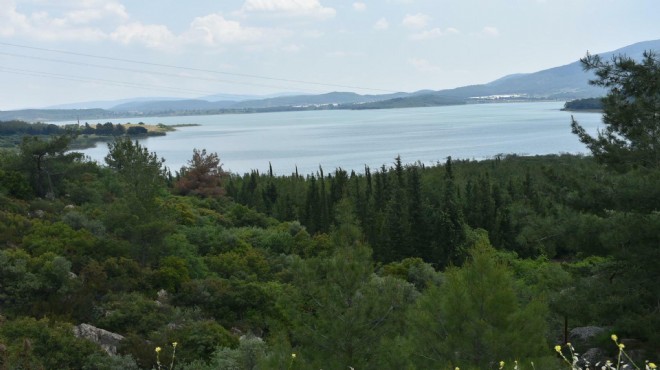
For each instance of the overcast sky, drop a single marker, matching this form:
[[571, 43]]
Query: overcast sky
[[65, 51]]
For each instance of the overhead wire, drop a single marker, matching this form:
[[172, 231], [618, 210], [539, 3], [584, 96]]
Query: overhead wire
[[153, 64], [142, 71], [160, 73], [97, 80]]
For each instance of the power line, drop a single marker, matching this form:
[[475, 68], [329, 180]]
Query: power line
[[98, 80], [142, 71], [195, 69]]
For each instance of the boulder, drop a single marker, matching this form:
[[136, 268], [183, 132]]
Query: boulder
[[584, 334], [591, 357], [107, 340]]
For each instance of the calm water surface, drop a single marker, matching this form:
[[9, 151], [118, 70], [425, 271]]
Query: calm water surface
[[353, 139]]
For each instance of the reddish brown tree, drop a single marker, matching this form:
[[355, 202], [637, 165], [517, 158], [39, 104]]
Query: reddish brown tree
[[203, 176]]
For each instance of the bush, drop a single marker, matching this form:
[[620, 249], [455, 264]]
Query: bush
[[32, 343]]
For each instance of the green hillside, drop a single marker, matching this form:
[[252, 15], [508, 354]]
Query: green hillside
[[509, 263]]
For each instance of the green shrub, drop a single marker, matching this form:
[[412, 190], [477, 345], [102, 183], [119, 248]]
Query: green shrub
[[47, 344]]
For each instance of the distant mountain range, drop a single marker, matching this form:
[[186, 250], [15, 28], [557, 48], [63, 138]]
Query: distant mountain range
[[565, 82]]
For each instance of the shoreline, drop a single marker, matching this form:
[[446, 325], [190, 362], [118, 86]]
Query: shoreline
[[112, 116]]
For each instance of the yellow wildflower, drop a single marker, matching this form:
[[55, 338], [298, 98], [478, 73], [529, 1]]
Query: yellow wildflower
[[558, 348], [652, 365], [293, 355], [501, 364], [621, 346], [174, 344], [614, 337], [157, 349]]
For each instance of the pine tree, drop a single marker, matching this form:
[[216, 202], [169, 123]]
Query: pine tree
[[418, 229], [631, 112], [475, 317], [312, 214]]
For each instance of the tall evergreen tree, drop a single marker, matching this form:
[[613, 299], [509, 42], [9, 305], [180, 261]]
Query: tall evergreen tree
[[418, 236], [449, 233], [631, 111], [312, 212], [324, 212], [46, 162], [137, 215]]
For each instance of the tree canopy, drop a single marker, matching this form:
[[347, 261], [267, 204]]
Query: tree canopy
[[631, 111]]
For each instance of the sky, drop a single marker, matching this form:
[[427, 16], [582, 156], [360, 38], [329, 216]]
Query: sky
[[66, 51]]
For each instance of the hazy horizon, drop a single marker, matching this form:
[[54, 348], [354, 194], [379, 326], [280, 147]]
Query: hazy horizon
[[76, 51]]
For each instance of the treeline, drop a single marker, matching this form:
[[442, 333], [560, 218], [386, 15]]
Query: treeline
[[39, 128], [85, 135], [26, 128], [108, 129], [584, 104], [527, 205]]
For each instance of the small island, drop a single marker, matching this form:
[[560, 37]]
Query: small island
[[584, 105], [84, 135]]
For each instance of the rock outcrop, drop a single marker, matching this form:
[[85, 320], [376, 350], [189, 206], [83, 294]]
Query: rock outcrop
[[584, 333], [107, 340]]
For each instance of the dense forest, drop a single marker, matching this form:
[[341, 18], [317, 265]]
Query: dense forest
[[461, 264]]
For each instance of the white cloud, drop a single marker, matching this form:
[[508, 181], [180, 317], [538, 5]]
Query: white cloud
[[293, 48], [91, 13], [289, 8], [489, 31], [343, 54], [312, 34], [382, 24], [433, 33], [214, 29], [359, 6], [423, 65], [94, 20], [11, 21], [44, 27], [416, 21], [82, 21], [153, 36]]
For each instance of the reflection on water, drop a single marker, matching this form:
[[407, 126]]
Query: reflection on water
[[353, 139]]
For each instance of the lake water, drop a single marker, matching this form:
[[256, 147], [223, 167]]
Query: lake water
[[352, 139]]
